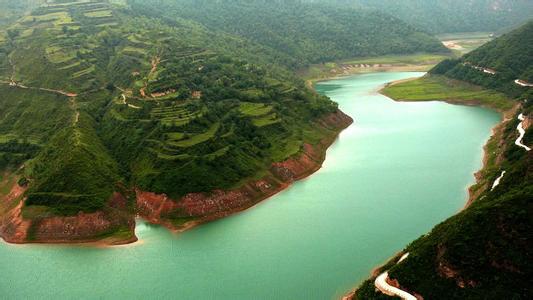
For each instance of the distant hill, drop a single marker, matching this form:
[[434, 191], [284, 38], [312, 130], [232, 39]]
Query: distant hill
[[446, 16], [307, 33], [509, 56], [11, 10]]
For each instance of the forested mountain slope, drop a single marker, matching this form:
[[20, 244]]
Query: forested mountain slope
[[484, 251], [307, 33], [101, 104], [505, 60], [446, 16], [11, 10]]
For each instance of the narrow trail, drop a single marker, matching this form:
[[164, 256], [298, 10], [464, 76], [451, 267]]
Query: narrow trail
[[74, 107], [75, 121], [156, 60], [125, 102], [13, 70], [21, 86], [521, 132], [382, 284], [13, 83], [484, 70]]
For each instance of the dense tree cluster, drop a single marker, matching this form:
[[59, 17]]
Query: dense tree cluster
[[307, 33], [510, 56], [446, 16]]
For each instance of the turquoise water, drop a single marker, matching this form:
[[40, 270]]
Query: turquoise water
[[398, 171]]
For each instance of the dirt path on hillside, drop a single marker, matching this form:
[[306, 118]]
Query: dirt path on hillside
[[12, 82], [156, 60], [21, 86]]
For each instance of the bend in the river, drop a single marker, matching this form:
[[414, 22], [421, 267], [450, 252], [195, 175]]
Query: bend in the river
[[401, 169]]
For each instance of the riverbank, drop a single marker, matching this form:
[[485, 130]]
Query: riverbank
[[186, 213], [464, 94], [199, 208], [492, 150], [421, 62]]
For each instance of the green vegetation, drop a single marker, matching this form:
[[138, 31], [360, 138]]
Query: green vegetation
[[109, 99], [430, 88], [301, 33], [478, 253], [11, 10], [74, 172], [254, 109], [411, 59], [445, 16], [509, 56]]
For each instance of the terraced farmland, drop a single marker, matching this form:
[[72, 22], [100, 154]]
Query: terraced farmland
[[92, 88]]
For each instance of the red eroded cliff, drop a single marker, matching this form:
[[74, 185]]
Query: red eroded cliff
[[102, 226], [82, 228], [202, 207]]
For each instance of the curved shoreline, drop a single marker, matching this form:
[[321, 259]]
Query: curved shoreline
[[281, 176], [206, 208], [479, 178]]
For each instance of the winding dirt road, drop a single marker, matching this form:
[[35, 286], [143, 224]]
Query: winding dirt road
[[387, 289], [521, 132]]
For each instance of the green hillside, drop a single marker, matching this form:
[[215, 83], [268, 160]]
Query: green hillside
[[509, 57], [125, 101], [446, 16], [482, 252], [128, 97], [301, 33], [11, 10]]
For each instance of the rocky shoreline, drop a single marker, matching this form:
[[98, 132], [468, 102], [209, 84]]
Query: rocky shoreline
[[116, 226]]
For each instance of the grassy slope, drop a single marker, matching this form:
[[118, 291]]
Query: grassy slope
[[440, 88]]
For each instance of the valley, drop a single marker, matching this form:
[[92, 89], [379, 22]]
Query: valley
[[229, 252], [127, 124]]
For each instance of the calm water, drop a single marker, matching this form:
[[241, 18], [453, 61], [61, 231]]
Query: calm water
[[401, 169]]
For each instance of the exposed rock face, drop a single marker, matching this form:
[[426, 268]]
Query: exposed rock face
[[159, 209], [13, 228], [202, 207], [84, 227], [447, 270], [77, 227]]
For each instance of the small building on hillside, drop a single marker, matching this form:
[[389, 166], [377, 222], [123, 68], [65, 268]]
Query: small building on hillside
[[196, 94]]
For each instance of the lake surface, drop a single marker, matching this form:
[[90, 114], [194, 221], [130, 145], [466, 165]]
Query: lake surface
[[398, 171]]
